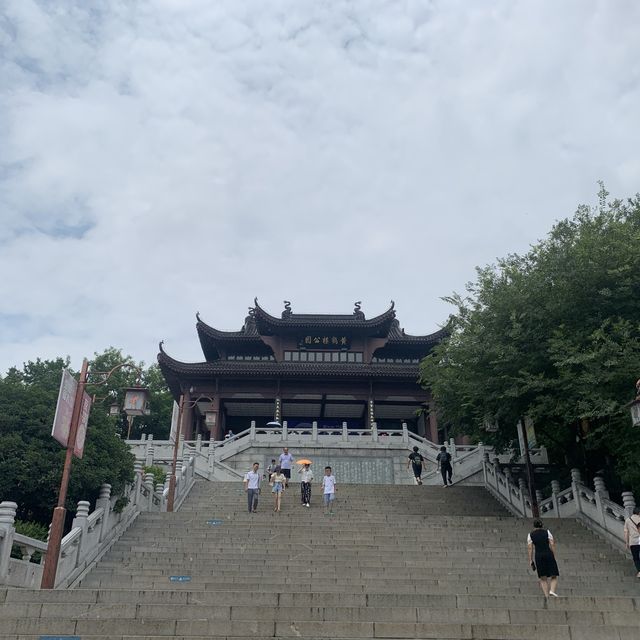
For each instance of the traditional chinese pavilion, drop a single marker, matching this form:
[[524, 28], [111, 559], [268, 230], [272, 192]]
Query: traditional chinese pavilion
[[305, 367]]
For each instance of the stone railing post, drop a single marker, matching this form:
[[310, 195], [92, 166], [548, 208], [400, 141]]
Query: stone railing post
[[374, 432], [199, 443], [601, 493], [159, 492], [137, 481], [452, 448], [508, 475], [405, 433], [7, 524], [314, 431], [104, 501], [524, 492], [148, 483], [143, 437], [285, 430], [485, 463], [149, 453], [599, 486], [539, 497], [80, 521], [252, 431], [576, 481], [345, 432], [555, 490], [628, 502]]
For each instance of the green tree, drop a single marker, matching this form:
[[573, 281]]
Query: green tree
[[553, 334], [31, 460]]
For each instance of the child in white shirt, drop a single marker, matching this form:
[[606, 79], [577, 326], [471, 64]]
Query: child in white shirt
[[328, 490]]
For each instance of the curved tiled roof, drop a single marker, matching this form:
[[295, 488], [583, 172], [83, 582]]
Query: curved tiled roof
[[176, 368], [398, 336], [355, 320]]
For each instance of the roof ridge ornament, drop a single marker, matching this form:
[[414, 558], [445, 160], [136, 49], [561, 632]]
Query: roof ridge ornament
[[357, 311], [161, 343], [198, 316], [287, 310]]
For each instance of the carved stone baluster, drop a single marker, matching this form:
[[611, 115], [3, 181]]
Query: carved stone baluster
[[628, 502], [7, 524]]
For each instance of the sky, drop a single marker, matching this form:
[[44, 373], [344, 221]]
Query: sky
[[159, 158]]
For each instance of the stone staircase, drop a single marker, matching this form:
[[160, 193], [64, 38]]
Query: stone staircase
[[392, 562]]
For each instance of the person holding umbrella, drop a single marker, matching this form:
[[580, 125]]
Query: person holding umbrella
[[306, 476]]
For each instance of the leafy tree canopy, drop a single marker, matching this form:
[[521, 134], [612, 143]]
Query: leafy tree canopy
[[553, 334], [31, 460]]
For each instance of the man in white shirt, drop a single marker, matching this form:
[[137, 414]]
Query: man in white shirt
[[286, 462], [252, 487]]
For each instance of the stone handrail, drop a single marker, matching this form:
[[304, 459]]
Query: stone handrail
[[210, 456], [91, 535], [592, 507]]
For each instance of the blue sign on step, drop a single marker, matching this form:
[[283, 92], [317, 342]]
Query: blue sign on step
[[179, 579], [215, 522]]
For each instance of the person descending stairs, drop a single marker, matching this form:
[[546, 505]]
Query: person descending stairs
[[392, 562]]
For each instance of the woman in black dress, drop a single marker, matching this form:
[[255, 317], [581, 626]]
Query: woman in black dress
[[542, 557]]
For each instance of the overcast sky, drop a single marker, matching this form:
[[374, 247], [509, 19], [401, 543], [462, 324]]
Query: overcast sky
[[159, 158]]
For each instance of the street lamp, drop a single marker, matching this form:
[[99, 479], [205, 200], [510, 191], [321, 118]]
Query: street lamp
[[59, 513], [210, 418]]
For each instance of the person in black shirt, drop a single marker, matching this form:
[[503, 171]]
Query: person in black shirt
[[444, 466], [416, 460]]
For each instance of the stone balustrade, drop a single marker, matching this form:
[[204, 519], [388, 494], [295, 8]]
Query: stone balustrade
[[91, 535], [592, 507], [210, 456]]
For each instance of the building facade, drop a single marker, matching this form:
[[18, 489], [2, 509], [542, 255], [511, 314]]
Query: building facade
[[303, 368]]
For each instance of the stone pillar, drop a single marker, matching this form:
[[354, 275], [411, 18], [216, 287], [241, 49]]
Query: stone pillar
[[199, 443], [629, 503], [148, 483], [576, 480], [555, 490], [539, 497], [252, 431], [508, 475], [371, 412], [405, 433], [524, 492], [374, 432], [285, 431], [149, 453], [314, 431], [137, 480], [452, 449], [80, 521], [345, 432], [104, 502], [7, 524], [599, 486]]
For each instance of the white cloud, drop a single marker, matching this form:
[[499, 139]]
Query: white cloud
[[159, 158]]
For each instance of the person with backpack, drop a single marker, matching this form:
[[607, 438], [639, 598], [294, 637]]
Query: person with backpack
[[444, 466], [416, 460], [632, 537]]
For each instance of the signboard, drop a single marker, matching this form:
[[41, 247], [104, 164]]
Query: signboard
[[324, 342], [531, 435], [64, 408], [179, 578], [81, 434], [215, 522], [175, 414], [64, 413]]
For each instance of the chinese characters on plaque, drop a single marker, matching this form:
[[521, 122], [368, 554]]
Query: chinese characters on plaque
[[324, 342]]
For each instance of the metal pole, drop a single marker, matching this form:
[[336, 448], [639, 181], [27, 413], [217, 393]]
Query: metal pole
[[57, 522], [172, 480], [130, 423], [530, 476]]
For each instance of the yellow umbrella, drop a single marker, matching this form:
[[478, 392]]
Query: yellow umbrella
[[304, 461]]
